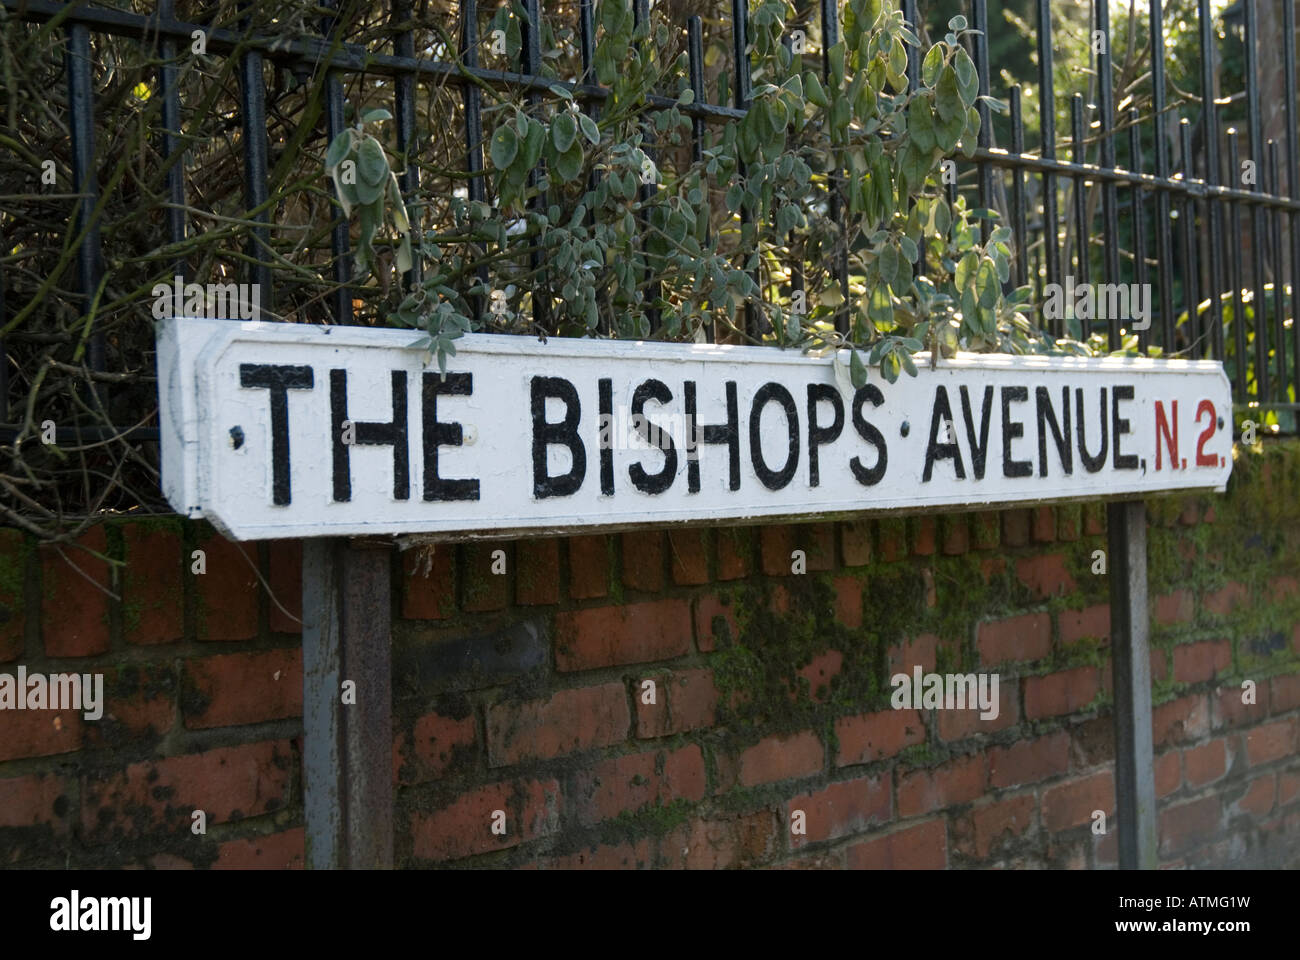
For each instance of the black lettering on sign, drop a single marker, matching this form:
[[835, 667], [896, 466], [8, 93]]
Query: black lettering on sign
[[605, 393], [651, 432], [1012, 430], [1119, 427], [868, 432], [279, 380], [979, 449], [773, 480], [1090, 463], [372, 434], [1060, 431], [438, 434], [941, 414], [564, 433], [817, 434], [728, 433]]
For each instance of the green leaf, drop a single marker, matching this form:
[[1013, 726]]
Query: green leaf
[[814, 90], [947, 95], [920, 123], [835, 57], [967, 78], [564, 130], [589, 128], [568, 165], [986, 284], [947, 133], [339, 148], [857, 371], [612, 14], [881, 306], [888, 263], [931, 65], [908, 246], [374, 116], [372, 165], [505, 147], [897, 59], [368, 193], [562, 92], [966, 268], [957, 23], [531, 151]]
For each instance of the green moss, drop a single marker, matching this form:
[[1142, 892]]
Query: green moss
[[653, 820]]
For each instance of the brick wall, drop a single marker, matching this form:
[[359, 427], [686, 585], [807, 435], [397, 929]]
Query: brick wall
[[524, 693]]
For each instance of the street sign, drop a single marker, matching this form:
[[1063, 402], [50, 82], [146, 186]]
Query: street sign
[[292, 430]]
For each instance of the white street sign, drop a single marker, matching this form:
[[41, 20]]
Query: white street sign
[[288, 430]]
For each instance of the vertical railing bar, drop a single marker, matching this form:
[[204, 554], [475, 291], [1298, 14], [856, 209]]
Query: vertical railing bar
[[740, 50], [796, 263], [695, 63], [81, 107], [1164, 239], [1293, 182], [531, 54], [1279, 292], [1262, 378], [252, 93], [1138, 202], [913, 53], [1109, 201], [1047, 125], [830, 12], [340, 242], [1187, 214], [1081, 266], [404, 107], [171, 143], [1210, 124], [476, 187], [648, 191], [980, 22], [1021, 266], [1238, 308]]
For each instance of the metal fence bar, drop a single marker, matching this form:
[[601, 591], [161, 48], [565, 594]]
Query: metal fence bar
[[404, 108], [980, 22], [1047, 150], [1293, 180], [170, 139], [340, 242], [1210, 123], [252, 94], [1109, 200], [81, 107], [476, 187], [1235, 270], [1020, 275], [1164, 240], [1186, 213], [1257, 232], [1137, 204]]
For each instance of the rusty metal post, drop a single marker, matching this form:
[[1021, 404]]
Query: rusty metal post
[[347, 704], [1135, 783]]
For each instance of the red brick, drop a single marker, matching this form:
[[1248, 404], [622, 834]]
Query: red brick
[[228, 590], [429, 586], [1190, 514], [39, 733], [1288, 787], [464, 827], [1282, 589], [778, 599], [686, 700], [1015, 528], [956, 535], [1092, 623], [589, 563], [1285, 693], [152, 603], [1270, 742], [226, 783], [848, 601], [820, 672], [735, 553], [781, 758], [950, 785], [1197, 662], [893, 539], [1229, 711], [719, 843], [239, 688], [1060, 693], [817, 540], [710, 632], [285, 578], [434, 745], [1222, 602], [1185, 720], [624, 856], [1189, 824], [960, 724], [776, 544], [842, 808], [1176, 607], [39, 799], [1071, 804], [1259, 796], [1169, 776], [1044, 524], [920, 847], [855, 543], [637, 782], [921, 650], [1069, 522], [537, 572], [992, 824], [1206, 763], [643, 560], [987, 532], [1027, 637], [925, 532], [286, 850], [689, 553], [13, 611], [1094, 519], [1029, 761], [876, 736], [141, 701], [74, 609], [482, 588], [1045, 575], [1159, 668], [632, 633], [569, 721]]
